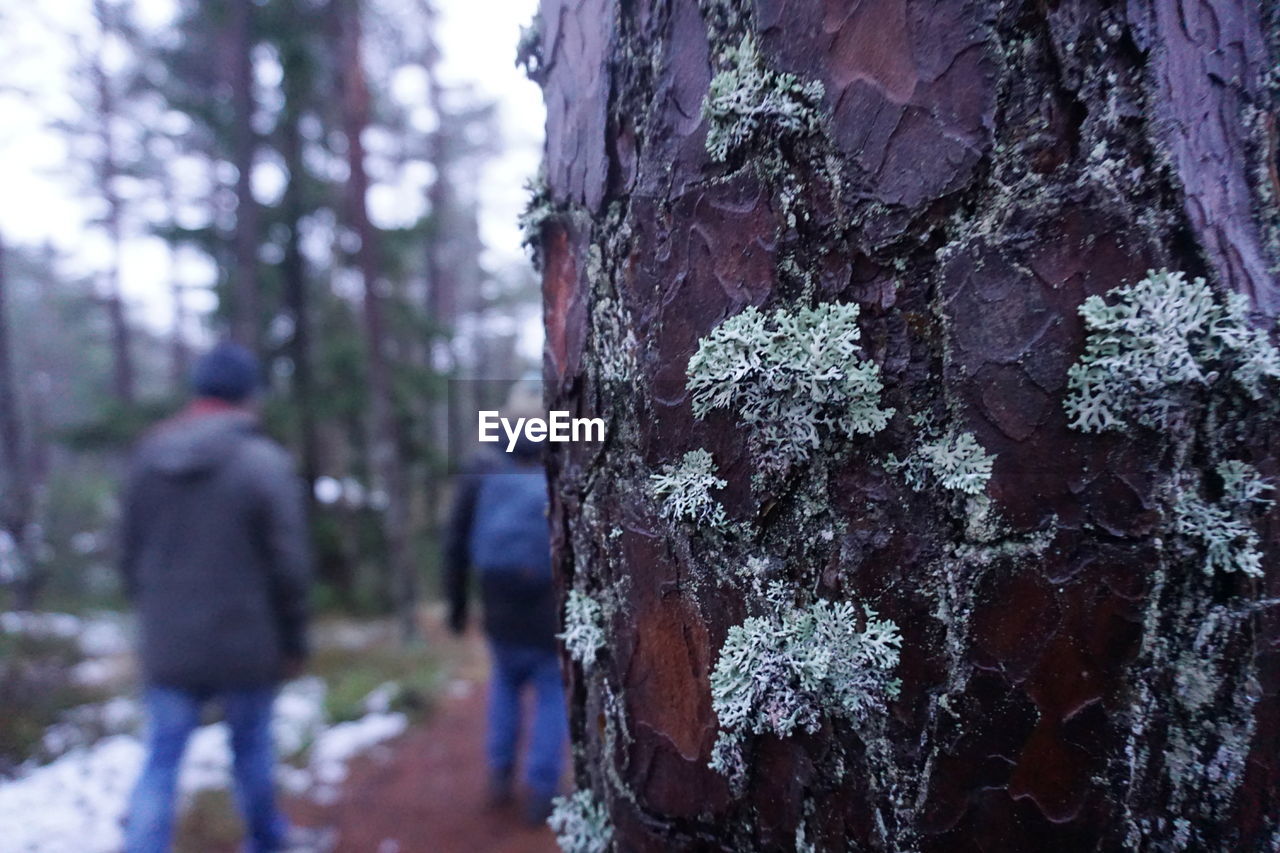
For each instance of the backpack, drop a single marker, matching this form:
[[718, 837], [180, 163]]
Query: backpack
[[509, 528]]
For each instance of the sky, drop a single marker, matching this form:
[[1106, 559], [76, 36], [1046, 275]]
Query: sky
[[40, 200]]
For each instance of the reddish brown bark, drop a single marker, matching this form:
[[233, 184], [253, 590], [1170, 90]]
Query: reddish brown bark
[[998, 163]]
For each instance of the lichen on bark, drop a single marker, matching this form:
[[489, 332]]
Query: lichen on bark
[[974, 173]]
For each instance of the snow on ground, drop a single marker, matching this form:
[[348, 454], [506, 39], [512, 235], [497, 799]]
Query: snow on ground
[[85, 724], [39, 624], [339, 744], [75, 803], [101, 635]]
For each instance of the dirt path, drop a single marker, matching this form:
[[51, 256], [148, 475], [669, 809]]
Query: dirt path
[[425, 792]]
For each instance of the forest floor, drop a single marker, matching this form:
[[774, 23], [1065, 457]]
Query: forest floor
[[425, 792], [381, 745]]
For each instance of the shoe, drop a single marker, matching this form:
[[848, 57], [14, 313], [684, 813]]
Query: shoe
[[537, 808], [500, 795]]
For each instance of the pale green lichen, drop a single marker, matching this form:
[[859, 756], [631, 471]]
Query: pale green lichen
[[614, 341], [581, 823], [749, 101], [1158, 339], [955, 461], [803, 844], [538, 209], [784, 671], [1224, 527], [529, 48], [684, 490], [1242, 485], [792, 376], [754, 570], [583, 633]]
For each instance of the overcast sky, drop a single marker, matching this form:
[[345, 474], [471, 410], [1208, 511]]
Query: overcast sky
[[39, 200]]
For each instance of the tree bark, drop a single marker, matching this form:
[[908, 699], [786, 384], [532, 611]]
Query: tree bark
[[15, 473], [438, 302], [295, 66], [246, 316], [968, 174], [179, 348], [386, 444], [108, 170]]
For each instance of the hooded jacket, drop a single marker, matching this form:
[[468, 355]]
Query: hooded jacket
[[215, 554]]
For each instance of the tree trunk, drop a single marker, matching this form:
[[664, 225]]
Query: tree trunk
[[386, 444], [1076, 671], [179, 349], [298, 84], [246, 317], [294, 63], [108, 170], [15, 470]]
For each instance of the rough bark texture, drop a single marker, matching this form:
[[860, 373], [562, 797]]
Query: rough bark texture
[[979, 170]]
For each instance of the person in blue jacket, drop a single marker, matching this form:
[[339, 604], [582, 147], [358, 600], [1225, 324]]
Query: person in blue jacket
[[498, 529]]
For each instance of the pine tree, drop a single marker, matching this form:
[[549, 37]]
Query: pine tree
[[936, 347]]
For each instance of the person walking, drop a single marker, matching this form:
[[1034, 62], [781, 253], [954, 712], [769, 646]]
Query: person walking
[[498, 528], [215, 561]]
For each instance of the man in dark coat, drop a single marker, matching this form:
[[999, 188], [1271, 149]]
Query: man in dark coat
[[215, 561], [498, 528]]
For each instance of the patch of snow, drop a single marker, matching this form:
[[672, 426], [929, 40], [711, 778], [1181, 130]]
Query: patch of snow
[[76, 803], [339, 744], [99, 672], [293, 780], [84, 724], [299, 715], [379, 699], [97, 636], [39, 624], [207, 762], [120, 713], [103, 636]]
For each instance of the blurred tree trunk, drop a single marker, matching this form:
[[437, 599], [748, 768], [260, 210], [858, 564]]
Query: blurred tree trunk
[[295, 66], [179, 349], [107, 172], [441, 285], [386, 445], [15, 467], [452, 252], [246, 319], [970, 172]]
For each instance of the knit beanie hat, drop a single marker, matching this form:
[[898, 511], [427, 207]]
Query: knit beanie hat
[[228, 372]]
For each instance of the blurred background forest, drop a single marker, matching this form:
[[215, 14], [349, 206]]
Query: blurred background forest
[[337, 185], [334, 183]]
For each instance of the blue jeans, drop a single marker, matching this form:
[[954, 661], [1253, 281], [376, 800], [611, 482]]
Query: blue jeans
[[514, 667], [172, 714]]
